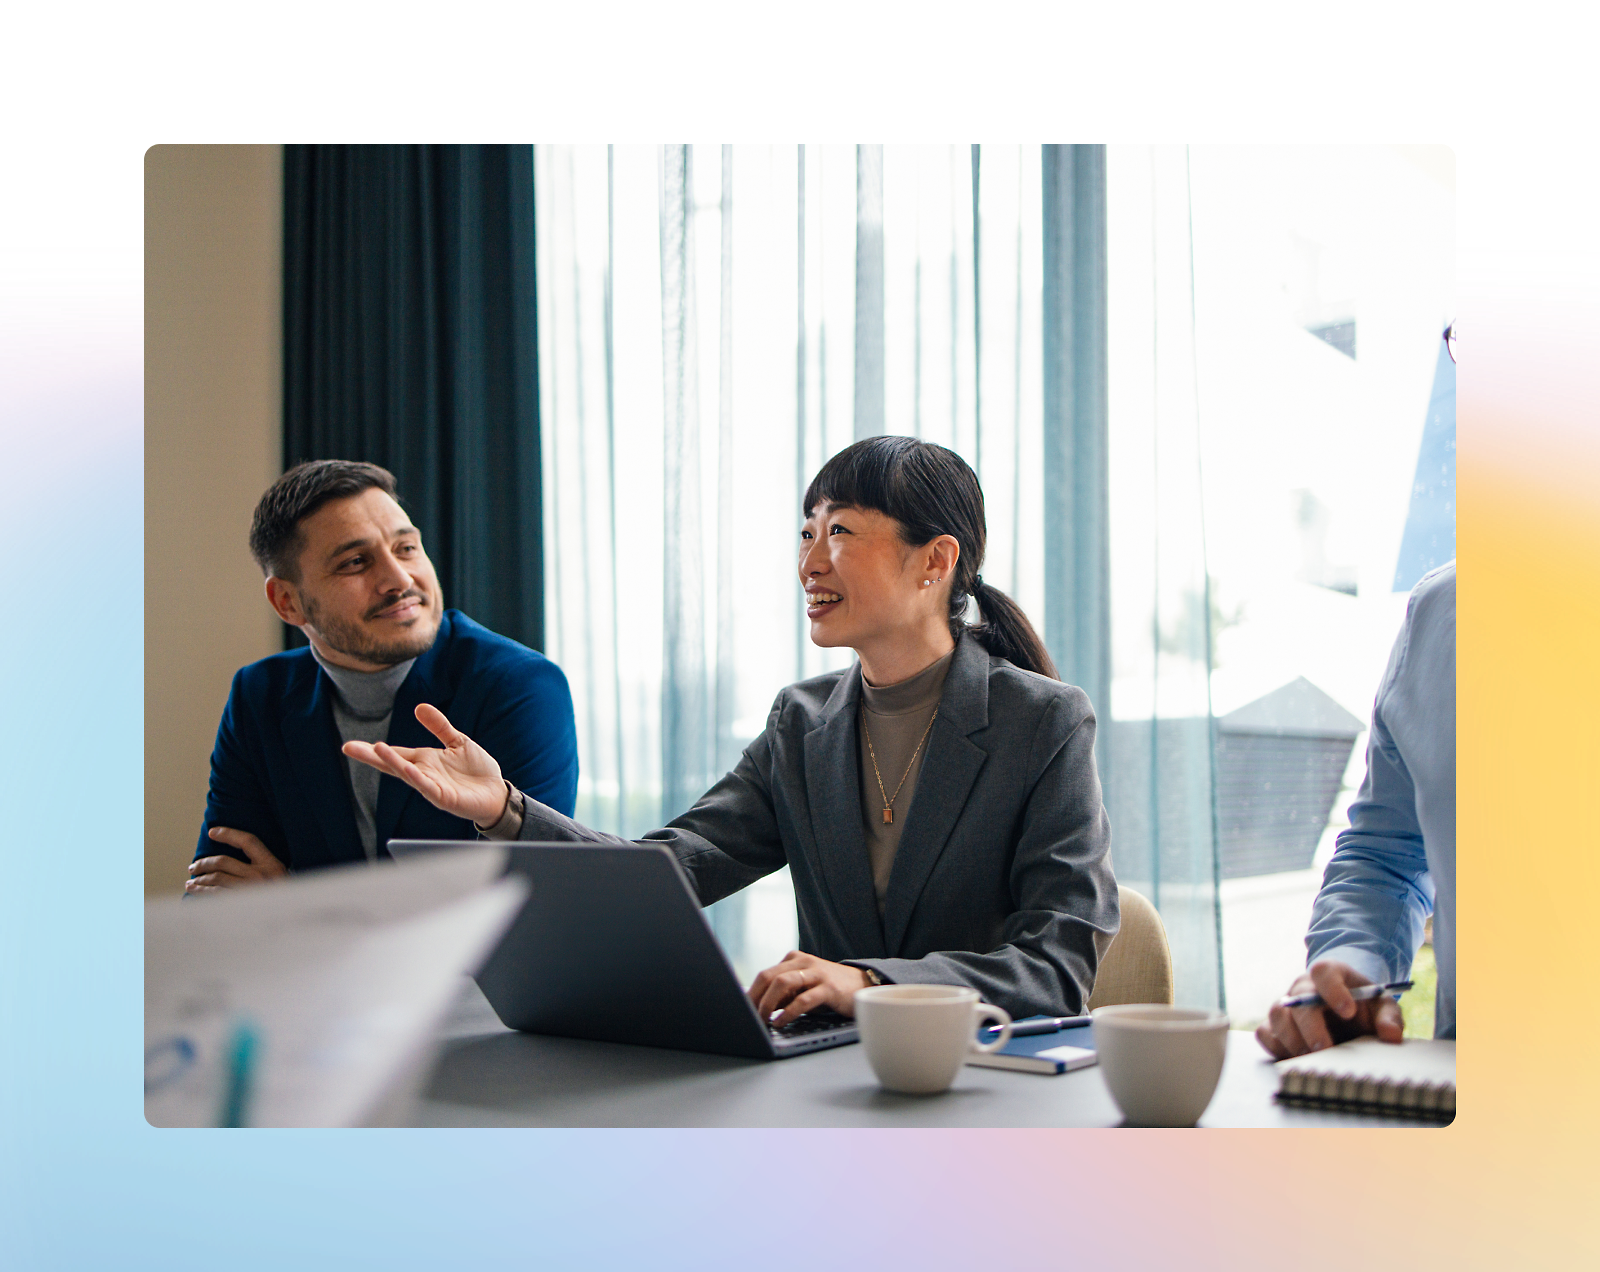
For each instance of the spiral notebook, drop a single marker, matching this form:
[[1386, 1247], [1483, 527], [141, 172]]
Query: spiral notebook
[[1414, 1079]]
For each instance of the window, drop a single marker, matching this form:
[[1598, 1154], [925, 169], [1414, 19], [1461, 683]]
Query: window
[[1316, 471], [716, 321]]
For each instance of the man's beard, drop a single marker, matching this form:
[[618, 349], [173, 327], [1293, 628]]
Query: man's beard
[[352, 640]]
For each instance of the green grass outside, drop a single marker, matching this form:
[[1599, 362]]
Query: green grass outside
[[1416, 1004]]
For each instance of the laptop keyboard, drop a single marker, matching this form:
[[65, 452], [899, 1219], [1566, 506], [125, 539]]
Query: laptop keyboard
[[818, 1021]]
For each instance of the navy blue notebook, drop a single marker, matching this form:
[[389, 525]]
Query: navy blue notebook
[[1058, 1052]]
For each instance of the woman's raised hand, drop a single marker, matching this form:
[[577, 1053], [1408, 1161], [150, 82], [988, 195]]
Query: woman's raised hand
[[462, 779]]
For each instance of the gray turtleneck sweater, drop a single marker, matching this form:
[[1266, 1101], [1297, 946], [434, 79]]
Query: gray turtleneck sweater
[[363, 702]]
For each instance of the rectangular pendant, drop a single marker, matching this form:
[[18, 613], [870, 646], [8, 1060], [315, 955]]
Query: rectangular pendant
[[888, 815]]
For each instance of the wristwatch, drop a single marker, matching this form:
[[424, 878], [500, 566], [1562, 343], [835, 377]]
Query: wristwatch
[[873, 978]]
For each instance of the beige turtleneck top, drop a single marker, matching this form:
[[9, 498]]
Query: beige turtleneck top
[[895, 717]]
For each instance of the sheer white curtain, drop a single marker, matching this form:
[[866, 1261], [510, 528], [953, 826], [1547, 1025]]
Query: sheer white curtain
[[714, 323], [1323, 278], [1157, 728]]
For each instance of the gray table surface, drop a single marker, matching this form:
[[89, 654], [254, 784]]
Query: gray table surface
[[488, 1075]]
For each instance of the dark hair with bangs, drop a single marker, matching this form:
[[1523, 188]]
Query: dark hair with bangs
[[929, 490]]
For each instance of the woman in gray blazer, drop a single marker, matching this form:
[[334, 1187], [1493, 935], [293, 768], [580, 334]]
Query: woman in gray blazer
[[937, 804]]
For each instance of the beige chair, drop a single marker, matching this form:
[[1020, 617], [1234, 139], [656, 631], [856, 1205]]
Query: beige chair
[[1137, 968]]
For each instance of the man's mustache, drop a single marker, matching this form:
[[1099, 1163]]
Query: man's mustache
[[392, 601]]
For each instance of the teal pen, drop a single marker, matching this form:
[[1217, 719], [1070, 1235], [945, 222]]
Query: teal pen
[[241, 1061]]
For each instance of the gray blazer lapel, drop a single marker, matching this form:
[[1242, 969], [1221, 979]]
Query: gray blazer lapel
[[949, 769], [833, 790]]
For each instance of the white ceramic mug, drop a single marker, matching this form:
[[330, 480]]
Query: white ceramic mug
[[917, 1037], [1161, 1063]]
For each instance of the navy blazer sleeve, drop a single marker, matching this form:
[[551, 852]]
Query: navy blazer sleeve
[[528, 726], [236, 797]]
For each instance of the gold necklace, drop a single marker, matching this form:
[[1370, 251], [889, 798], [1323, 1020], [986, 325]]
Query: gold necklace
[[888, 799]]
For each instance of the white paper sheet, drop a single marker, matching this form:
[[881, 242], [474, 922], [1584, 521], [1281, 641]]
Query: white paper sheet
[[342, 978]]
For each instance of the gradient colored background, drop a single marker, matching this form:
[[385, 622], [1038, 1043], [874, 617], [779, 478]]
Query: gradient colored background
[[84, 1183]]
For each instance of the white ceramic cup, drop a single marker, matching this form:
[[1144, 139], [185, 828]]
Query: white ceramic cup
[[1161, 1063], [917, 1037]]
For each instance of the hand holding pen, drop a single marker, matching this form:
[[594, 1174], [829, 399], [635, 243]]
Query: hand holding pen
[[1360, 994], [1330, 1002]]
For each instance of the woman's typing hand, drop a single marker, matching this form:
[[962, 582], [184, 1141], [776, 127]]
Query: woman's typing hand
[[462, 779], [803, 982]]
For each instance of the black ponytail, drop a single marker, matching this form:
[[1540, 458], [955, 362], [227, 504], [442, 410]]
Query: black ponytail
[[1006, 631], [930, 490]]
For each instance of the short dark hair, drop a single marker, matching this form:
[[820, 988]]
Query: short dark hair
[[275, 539], [930, 490]]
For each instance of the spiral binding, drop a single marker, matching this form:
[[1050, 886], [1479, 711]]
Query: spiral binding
[[1430, 1101]]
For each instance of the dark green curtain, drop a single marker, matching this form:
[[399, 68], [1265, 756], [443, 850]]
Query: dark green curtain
[[409, 340]]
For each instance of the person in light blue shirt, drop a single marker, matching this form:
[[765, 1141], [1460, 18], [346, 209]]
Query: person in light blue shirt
[[1396, 864]]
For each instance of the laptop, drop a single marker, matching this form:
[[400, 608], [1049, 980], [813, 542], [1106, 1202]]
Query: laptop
[[612, 945]]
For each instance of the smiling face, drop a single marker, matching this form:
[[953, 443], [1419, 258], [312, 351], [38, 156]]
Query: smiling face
[[366, 595], [865, 589]]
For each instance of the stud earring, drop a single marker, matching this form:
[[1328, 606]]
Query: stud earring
[[925, 582]]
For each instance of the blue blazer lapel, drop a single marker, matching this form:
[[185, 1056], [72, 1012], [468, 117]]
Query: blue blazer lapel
[[312, 740], [949, 771], [422, 684], [833, 790]]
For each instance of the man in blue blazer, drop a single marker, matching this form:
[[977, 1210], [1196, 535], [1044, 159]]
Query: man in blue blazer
[[345, 565]]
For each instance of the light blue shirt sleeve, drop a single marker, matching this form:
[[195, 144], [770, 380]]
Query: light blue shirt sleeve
[[1377, 891], [1395, 865]]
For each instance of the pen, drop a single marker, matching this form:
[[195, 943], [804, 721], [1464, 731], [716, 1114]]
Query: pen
[[1360, 995], [1049, 1024], [240, 1078]]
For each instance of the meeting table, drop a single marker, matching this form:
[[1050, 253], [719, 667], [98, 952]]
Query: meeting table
[[485, 1074]]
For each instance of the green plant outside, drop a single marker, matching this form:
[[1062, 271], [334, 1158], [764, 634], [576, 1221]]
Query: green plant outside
[[1416, 1004]]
